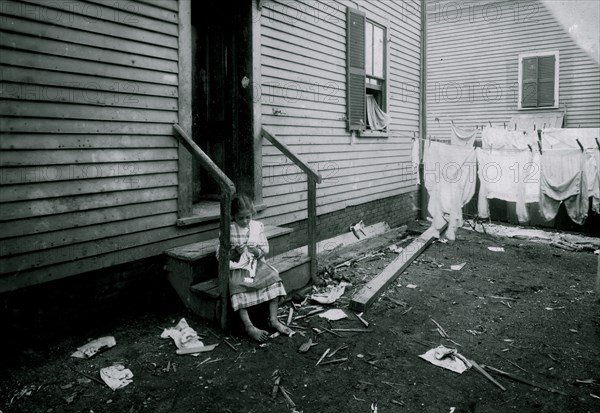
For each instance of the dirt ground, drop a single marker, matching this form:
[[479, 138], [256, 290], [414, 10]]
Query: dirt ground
[[546, 330]]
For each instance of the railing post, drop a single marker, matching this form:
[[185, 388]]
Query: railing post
[[224, 247], [312, 227]]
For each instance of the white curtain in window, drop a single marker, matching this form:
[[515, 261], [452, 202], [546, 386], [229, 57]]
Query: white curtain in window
[[377, 118]]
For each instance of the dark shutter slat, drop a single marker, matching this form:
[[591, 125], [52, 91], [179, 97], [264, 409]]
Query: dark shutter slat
[[546, 73], [355, 57]]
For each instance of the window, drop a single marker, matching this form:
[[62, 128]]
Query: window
[[538, 80], [366, 72]]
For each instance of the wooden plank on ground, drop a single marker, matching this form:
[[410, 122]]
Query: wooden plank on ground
[[365, 297]]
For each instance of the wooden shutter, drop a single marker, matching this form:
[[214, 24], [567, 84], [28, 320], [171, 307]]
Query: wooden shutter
[[529, 92], [355, 60], [546, 75]]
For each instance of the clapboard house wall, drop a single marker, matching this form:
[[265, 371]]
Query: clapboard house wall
[[472, 64], [303, 99], [89, 162]]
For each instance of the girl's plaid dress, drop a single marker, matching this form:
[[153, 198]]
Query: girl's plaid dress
[[254, 233]]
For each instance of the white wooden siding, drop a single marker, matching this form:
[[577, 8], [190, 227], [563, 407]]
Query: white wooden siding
[[471, 55], [304, 77], [88, 161]]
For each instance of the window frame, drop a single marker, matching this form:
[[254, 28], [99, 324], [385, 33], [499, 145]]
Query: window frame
[[522, 57], [385, 25]]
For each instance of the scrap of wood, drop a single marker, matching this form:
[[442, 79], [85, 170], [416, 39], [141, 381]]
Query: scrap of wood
[[441, 329], [486, 374], [336, 350], [341, 360], [313, 312], [397, 302], [362, 320], [322, 357], [365, 297], [524, 381], [332, 332], [88, 376], [351, 330], [288, 399], [230, 345], [410, 309], [193, 350], [289, 319]]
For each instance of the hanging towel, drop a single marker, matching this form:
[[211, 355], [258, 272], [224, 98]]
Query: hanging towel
[[563, 179], [462, 137], [377, 118], [567, 139], [500, 138], [512, 176], [450, 176]]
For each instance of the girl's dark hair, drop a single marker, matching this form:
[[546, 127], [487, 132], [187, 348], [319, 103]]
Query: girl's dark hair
[[242, 203]]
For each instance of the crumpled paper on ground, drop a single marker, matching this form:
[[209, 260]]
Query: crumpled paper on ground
[[183, 335], [116, 376], [89, 349], [334, 314], [447, 358], [332, 295]]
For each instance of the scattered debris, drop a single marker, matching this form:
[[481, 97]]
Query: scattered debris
[[410, 309], [192, 350], [519, 379], [362, 320], [322, 357], [332, 295], [341, 360], [87, 376], [440, 329], [336, 350], [412, 286], [475, 332], [594, 396], [333, 314], [231, 346], [370, 291], [95, 346], [458, 267], [496, 249], [306, 346], [395, 248], [351, 330], [554, 308], [446, 358], [486, 374], [184, 336], [116, 376]]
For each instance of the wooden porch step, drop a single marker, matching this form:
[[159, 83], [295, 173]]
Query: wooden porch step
[[293, 270], [199, 250]]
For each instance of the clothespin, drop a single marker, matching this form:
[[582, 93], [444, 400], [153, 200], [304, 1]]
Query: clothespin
[[504, 125], [452, 120], [534, 126], [580, 145], [490, 122], [597, 143], [530, 150], [414, 136]]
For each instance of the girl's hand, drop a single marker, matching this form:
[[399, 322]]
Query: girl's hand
[[252, 249]]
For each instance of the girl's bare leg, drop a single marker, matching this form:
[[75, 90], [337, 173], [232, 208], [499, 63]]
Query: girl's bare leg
[[255, 333], [283, 329]]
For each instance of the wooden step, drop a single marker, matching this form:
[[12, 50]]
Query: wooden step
[[199, 250], [294, 271]]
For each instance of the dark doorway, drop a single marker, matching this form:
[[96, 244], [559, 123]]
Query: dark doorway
[[221, 102]]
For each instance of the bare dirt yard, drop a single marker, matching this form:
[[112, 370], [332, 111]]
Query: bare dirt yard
[[529, 311]]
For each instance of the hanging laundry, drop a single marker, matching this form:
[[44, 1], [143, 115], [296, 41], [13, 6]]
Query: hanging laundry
[[563, 179], [450, 176], [462, 137], [567, 139], [509, 175], [377, 118], [500, 138], [416, 143]]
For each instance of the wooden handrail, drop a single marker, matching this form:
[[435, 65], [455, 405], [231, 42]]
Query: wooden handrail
[[291, 155], [227, 189], [313, 178]]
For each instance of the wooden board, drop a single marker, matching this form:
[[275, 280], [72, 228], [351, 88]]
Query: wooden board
[[365, 297]]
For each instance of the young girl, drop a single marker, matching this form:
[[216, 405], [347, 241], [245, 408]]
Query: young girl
[[252, 282]]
